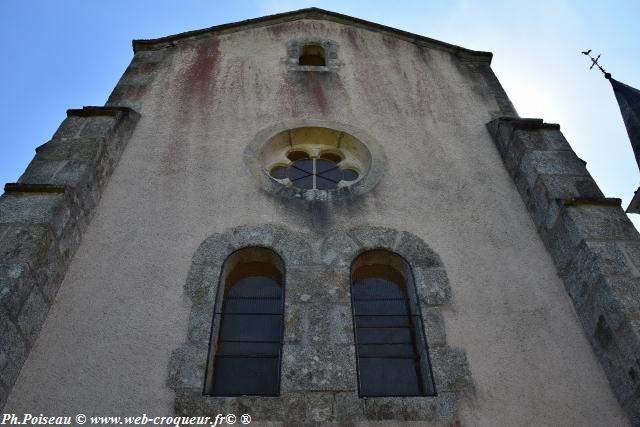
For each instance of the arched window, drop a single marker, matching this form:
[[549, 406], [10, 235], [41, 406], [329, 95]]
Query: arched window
[[312, 54], [246, 339], [391, 347]]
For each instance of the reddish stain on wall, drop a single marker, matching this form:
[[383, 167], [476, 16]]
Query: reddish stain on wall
[[200, 75], [317, 92], [287, 96], [303, 92], [391, 43], [278, 29], [193, 96], [352, 36], [141, 67], [298, 28]]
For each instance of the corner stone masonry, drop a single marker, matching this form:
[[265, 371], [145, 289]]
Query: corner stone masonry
[[42, 219], [592, 242], [319, 379]]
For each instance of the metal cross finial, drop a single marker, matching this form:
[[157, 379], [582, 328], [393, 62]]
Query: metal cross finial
[[594, 63]]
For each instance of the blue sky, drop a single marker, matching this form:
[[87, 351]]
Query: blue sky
[[65, 54]]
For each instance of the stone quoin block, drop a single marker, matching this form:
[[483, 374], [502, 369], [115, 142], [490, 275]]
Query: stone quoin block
[[4, 392], [450, 369], [631, 248], [14, 346], [39, 172], [98, 126], [537, 163], [213, 250], [34, 209], [338, 249], [329, 324], [319, 407], [432, 286], [576, 223], [348, 407], [87, 149], [389, 408], [244, 236], [200, 277], [433, 323], [70, 128], [318, 368], [317, 284], [32, 315], [187, 367], [27, 244], [621, 359], [502, 129], [374, 237], [294, 326], [411, 247], [200, 321], [293, 247], [524, 141], [9, 371], [550, 190], [187, 403], [272, 408]]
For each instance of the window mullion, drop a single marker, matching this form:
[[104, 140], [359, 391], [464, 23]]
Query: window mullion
[[314, 174]]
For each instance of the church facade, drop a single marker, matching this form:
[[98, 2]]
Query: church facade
[[308, 218]]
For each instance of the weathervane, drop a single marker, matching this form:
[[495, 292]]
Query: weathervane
[[594, 62]]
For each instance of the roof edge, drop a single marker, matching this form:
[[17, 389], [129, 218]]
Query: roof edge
[[311, 13]]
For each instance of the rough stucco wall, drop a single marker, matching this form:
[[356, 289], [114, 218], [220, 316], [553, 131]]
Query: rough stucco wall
[[121, 310]]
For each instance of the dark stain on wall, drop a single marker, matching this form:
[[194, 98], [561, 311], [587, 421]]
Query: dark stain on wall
[[352, 36], [310, 92], [196, 91], [198, 75]]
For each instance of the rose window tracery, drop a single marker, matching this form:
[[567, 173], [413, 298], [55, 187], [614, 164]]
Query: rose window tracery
[[315, 158]]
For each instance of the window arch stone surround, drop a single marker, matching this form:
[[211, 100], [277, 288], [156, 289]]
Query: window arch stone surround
[[295, 48], [319, 380], [375, 169]]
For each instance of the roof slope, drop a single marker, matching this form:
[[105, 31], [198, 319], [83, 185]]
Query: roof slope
[[312, 13]]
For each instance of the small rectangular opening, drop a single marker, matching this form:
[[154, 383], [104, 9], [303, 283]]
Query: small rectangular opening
[[312, 54]]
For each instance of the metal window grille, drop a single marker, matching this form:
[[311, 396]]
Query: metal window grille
[[248, 354], [391, 348]]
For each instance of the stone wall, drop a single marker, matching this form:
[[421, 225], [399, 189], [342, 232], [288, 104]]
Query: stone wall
[[42, 219], [592, 242], [319, 380]]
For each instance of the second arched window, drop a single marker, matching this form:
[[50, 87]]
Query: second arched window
[[391, 346]]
